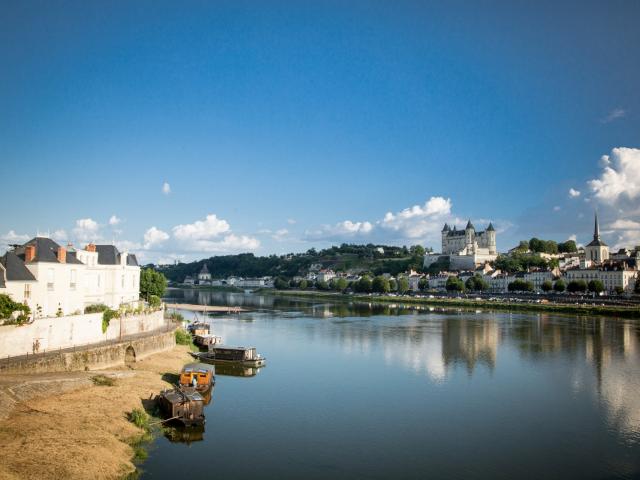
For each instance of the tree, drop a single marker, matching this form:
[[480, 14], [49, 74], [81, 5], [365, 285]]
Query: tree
[[559, 286], [403, 285], [547, 286], [423, 284], [322, 285], [596, 286], [340, 284], [393, 285], [280, 284], [8, 307], [567, 247], [364, 284], [577, 286], [152, 282], [619, 290], [303, 284], [636, 288], [520, 286], [476, 284], [417, 251], [454, 284], [380, 284]]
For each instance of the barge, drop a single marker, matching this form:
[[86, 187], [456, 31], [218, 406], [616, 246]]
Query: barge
[[182, 405], [206, 340], [235, 355], [198, 378]]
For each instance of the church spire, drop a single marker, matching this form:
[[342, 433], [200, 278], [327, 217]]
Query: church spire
[[596, 228]]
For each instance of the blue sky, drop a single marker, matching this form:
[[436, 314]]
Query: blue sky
[[280, 126]]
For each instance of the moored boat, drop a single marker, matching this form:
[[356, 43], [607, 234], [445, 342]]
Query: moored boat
[[201, 379], [239, 355], [182, 405], [206, 340]]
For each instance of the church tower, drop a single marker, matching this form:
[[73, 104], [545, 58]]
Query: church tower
[[445, 234], [470, 237], [491, 239], [597, 251]]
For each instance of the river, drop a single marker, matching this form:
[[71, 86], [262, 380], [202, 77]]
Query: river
[[379, 392]]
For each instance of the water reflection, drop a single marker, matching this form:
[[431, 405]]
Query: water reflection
[[186, 435], [231, 370]]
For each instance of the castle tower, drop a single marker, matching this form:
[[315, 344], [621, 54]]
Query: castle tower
[[445, 233], [469, 235], [597, 251], [491, 235]]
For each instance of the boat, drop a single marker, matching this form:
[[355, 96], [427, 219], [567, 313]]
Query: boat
[[206, 340], [185, 406], [199, 328], [238, 355], [203, 376]]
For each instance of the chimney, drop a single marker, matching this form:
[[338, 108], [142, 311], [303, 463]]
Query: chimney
[[90, 248], [29, 253], [62, 255]]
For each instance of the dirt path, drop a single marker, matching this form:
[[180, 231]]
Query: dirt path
[[64, 426]]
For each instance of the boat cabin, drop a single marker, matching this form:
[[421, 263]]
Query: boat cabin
[[183, 406], [199, 328], [203, 376], [233, 354], [206, 340]]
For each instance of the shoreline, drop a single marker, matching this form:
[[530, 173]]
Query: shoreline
[[472, 304], [81, 430]]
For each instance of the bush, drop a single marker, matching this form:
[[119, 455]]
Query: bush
[[95, 308], [176, 317], [559, 286], [139, 418], [154, 301], [454, 284], [152, 283], [103, 381], [577, 286], [520, 286], [8, 306], [596, 286], [183, 337], [107, 315], [547, 286]]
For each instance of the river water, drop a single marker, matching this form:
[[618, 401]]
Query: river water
[[373, 392]]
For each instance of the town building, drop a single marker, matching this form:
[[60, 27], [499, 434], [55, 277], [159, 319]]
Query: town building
[[465, 249], [325, 275], [204, 277], [612, 276], [54, 280], [597, 251]]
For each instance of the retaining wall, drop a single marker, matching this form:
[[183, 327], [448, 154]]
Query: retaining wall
[[46, 334]]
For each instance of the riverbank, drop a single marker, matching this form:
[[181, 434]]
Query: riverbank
[[68, 425], [471, 304]]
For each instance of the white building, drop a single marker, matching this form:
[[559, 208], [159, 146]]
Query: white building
[[597, 251], [57, 280], [325, 276], [465, 249], [611, 276], [538, 277], [204, 277]]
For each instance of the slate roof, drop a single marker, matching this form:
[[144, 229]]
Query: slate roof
[[110, 255], [15, 268], [490, 228], [470, 225], [46, 251], [596, 242]]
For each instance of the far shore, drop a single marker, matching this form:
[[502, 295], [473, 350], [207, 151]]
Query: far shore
[[469, 303]]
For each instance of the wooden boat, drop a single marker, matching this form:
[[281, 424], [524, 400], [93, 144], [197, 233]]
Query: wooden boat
[[239, 355], [199, 328], [206, 340], [186, 407], [204, 378]]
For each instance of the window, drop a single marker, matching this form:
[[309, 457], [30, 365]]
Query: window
[[72, 282], [98, 280], [27, 291], [51, 276], [122, 282]]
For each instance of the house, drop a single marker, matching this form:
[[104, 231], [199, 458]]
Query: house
[[56, 280], [325, 275], [611, 275], [204, 277], [465, 249]]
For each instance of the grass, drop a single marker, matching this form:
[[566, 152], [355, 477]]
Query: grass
[[184, 338], [103, 381], [140, 418]]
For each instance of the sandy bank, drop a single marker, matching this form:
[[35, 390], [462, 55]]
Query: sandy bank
[[64, 426]]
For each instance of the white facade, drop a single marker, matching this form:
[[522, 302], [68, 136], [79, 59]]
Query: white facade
[[54, 280], [466, 249], [610, 278]]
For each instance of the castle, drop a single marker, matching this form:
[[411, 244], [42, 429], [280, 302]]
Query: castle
[[465, 249]]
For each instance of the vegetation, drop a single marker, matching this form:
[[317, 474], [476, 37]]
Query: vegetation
[[280, 283], [380, 284], [8, 307], [520, 286], [537, 245], [107, 315], [476, 284], [154, 301], [454, 284], [95, 308], [176, 317], [403, 285], [547, 286], [520, 262], [595, 286], [577, 286], [364, 285], [103, 381], [559, 286], [152, 283]]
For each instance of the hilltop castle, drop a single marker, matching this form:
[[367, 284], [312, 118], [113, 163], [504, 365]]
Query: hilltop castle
[[466, 249]]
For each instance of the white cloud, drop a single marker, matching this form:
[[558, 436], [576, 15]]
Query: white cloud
[[154, 237], [129, 246], [166, 188], [614, 115], [420, 220], [573, 193], [210, 227], [620, 178], [341, 230], [573, 237], [280, 235], [59, 235], [624, 224], [556, 208], [86, 230], [212, 235], [11, 237], [114, 220], [291, 221]]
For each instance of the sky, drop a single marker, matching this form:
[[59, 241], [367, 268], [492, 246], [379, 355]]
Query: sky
[[183, 130]]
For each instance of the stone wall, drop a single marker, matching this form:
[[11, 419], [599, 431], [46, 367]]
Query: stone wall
[[73, 331], [114, 354]]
